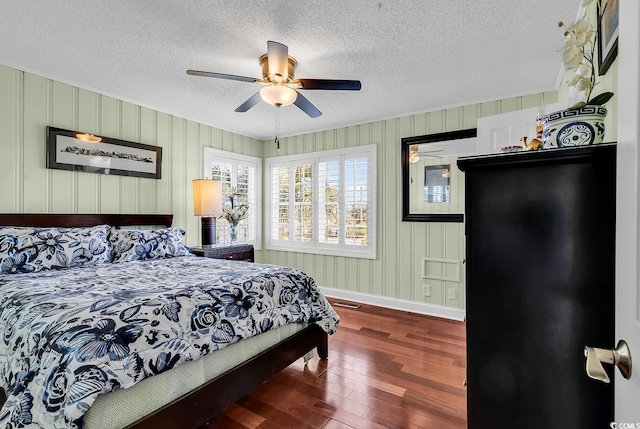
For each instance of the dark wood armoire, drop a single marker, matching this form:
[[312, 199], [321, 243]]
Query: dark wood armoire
[[540, 243]]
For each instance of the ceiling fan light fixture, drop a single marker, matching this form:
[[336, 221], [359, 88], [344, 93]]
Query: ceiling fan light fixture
[[413, 154], [278, 95]]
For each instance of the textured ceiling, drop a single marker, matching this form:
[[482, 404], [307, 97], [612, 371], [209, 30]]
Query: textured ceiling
[[411, 56]]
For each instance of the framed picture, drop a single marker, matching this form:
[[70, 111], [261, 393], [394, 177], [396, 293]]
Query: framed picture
[[608, 35], [72, 150]]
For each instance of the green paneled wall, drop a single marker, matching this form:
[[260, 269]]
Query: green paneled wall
[[402, 246], [29, 103], [397, 273]]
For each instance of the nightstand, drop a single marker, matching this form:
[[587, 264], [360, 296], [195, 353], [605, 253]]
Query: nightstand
[[236, 252]]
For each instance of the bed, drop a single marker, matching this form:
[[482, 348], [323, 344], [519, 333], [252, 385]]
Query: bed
[[205, 395]]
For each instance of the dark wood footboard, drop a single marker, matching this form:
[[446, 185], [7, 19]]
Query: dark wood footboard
[[196, 408]]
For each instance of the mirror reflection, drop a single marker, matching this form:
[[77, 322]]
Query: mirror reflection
[[437, 184], [433, 187]]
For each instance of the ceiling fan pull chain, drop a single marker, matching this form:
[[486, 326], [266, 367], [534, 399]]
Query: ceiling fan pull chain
[[277, 127]]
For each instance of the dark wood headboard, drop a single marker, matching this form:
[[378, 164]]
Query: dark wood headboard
[[83, 220]]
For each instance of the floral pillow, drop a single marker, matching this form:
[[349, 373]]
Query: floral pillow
[[28, 250], [136, 245]]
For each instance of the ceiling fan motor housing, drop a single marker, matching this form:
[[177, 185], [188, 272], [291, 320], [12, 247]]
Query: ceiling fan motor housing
[[292, 64]]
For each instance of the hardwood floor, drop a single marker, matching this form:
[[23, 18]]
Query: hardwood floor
[[386, 369]]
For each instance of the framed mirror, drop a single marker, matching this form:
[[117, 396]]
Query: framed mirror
[[432, 185]]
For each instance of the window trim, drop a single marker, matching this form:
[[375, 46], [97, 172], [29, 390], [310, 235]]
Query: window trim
[[211, 154], [315, 247]]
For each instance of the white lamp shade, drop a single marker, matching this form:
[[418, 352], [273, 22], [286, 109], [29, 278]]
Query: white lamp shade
[[207, 197], [278, 95]]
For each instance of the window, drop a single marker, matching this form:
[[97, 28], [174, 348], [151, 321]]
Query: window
[[437, 187], [323, 202], [243, 173]]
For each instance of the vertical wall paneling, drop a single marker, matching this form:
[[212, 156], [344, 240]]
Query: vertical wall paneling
[[164, 140], [469, 116], [178, 170], [330, 140], [437, 122], [109, 127], [204, 140], [299, 144], [129, 187], [421, 124], [36, 190], [489, 108], [62, 181], [148, 188], [319, 267], [398, 270], [87, 121], [610, 83], [309, 142], [193, 163], [341, 138], [390, 216], [10, 139], [30, 103], [216, 138], [227, 141], [405, 230], [377, 286], [365, 266], [510, 104], [453, 119]]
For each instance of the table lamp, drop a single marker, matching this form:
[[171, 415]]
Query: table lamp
[[207, 203]]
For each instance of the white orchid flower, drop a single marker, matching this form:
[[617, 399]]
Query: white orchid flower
[[584, 70], [581, 83], [578, 52], [579, 33], [571, 57]]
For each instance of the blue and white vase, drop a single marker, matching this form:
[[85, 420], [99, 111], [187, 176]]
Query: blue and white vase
[[573, 127]]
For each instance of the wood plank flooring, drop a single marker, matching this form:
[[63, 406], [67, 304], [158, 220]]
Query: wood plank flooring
[[386, 369]]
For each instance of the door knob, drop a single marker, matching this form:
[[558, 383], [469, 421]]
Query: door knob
[[620, 357]]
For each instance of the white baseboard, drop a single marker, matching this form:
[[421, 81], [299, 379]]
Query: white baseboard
[[396, 304]]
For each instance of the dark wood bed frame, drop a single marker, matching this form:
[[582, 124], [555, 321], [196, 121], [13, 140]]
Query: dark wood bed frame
[[197, 407]]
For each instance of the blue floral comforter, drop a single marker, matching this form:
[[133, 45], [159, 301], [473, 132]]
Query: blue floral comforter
[[70, 335]]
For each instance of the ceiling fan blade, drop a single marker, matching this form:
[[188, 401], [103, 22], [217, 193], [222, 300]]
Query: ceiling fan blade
[[252, 101], [278, 59], [306, 106], [223, 76], [332, 84]]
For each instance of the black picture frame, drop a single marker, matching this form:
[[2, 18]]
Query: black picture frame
[[71, 150], [608, 25], [405, 147]]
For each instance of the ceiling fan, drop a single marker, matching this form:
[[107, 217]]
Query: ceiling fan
[[281, 88], [415, 153]]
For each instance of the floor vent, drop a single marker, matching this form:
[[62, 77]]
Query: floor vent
[[347, 305]]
